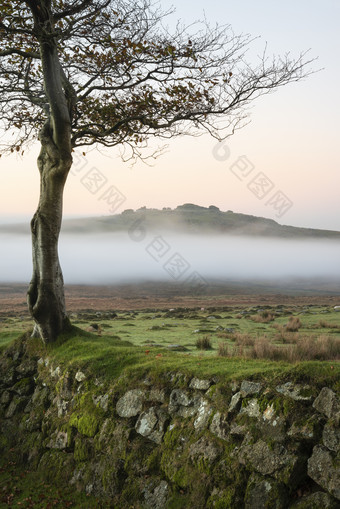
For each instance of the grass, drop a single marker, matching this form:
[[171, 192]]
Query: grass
[[25, 489], [220, 341], [204, 343], [263, 317], [110, 358], [294, 324], [306, 348], [328, 325]]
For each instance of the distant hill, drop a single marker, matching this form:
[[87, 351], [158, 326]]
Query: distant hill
[[187, 218]]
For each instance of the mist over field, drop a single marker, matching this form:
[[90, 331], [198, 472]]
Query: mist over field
[[120, 257]]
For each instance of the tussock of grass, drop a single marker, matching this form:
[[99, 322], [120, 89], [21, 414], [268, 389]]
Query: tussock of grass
[[306, 348], [242, 340], [204, 343], [284, 336], [294, 324], [263, 317], [322, 348], [327, 325]]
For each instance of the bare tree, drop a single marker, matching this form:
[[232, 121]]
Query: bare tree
[[76, 73]]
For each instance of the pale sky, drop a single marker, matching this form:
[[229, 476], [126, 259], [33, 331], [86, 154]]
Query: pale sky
[[292, 140]]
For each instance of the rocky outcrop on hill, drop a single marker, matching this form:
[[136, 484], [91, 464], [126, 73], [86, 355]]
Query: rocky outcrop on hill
[[173, 442]]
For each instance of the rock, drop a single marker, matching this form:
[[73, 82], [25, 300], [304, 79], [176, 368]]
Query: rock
[[324, 469], [251, 408], [8, 377], [58, 441], [17, 404], [26, 369], [157, 395], [112, 438], [275, 461], [178, 377], [235, 386], [40, 397], [199, 384], [156, 498], [101, 401], [66, 387], [264, 493], [250, 388], [235, 402], [331, 437], [219, 426], [295, 391], [318, 500], [177, 348], [131, 403], [62, 406], [179, 398], [204, 449], [151, 424], [80, 376], [309, 431], [203, 414], [269, 413], [24, 387], [237, 430], [327, 403], [5, 398], [33, 422], [55, 373], [183, 404]]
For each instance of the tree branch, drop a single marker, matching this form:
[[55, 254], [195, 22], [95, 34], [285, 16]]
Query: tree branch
[[16, 51]]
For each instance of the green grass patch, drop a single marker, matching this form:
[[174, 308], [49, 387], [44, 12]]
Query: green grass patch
[[147, 340], [111, 360], [25, 489], [7, 337]]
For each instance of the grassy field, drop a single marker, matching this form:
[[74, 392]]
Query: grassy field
[[234, 341]]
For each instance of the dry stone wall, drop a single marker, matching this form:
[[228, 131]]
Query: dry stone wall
[[173, 442]]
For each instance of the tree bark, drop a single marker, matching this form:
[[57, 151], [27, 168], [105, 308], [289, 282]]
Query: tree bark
[[46, 300]]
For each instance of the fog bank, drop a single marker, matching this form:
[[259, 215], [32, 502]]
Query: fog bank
[[118, 258]]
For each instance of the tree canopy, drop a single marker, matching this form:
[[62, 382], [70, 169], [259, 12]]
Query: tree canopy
[[124, 75]]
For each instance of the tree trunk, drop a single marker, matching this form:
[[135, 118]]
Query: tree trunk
[[46, 299]]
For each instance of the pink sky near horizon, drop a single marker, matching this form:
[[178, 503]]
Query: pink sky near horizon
[[292, 139]]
